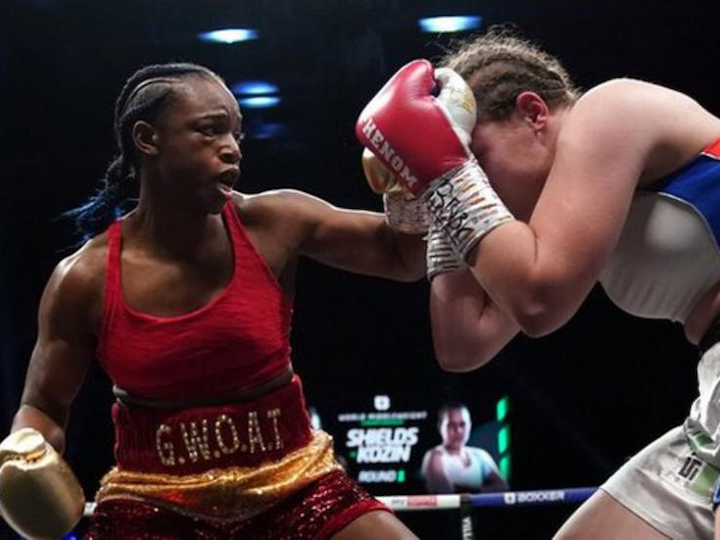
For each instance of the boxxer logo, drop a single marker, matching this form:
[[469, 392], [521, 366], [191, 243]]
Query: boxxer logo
[[386, 153]]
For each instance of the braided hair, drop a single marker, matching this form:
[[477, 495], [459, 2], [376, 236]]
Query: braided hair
[[499, 65], [143, 97]]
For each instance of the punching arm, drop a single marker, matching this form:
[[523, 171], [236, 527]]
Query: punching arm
[[39, 494]]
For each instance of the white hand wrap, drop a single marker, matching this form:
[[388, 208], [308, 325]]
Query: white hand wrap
[[405, 213], [465, 206], [440, 256], [39, 494], [462, 202]]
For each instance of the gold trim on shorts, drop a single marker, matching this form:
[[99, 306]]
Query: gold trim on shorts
[[233, 493]]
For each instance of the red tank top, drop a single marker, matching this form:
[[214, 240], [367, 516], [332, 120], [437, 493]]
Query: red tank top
[[237, 341]]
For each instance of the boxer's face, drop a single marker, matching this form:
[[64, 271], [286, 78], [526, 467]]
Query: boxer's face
[[515, 162], [455, 428], [198, 153]]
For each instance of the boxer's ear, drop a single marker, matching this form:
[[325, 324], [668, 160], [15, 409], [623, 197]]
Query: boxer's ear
[[533, 109], [145, 138]]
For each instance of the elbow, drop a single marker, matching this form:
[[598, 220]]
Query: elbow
[[411, 275], [538, 318], [412, 268], [460, 361], [535, 325]]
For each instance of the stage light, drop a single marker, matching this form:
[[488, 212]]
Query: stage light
[[259, 102], [267, 131], [449, 24], [504, 439], [256, 94], [254, 88], [229, 35], [505, 466], [502, 410]]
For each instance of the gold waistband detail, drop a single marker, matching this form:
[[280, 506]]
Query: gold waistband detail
[[235, 493]]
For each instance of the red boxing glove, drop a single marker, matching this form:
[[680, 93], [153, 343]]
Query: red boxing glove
[[410, 130], [424, 141]]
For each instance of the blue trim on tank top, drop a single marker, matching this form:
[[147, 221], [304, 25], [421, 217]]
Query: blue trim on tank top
[[698, 184]]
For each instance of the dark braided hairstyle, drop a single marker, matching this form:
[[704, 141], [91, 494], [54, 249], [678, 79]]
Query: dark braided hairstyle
[[499, 65], [145, 94]]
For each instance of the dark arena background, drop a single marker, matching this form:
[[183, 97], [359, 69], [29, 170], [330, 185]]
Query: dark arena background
[[557, 412]]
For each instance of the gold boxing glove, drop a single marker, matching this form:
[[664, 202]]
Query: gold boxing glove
[[404, 212], [39, 494]]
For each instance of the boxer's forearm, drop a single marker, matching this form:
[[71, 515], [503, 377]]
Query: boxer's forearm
[[468, 328], [410, 251]]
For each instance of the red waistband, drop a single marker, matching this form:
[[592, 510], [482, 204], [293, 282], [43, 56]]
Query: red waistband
[[195, 440]]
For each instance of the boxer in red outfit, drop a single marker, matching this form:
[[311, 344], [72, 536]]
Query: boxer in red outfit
[[187, 302]]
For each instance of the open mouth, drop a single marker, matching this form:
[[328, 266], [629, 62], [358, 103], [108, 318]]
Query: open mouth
[[228, 179]]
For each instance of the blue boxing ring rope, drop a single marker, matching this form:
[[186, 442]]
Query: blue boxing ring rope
[[465, 502], [405, 503], [534, 497]]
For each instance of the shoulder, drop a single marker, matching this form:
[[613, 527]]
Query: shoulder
[[624, 90], [77, 281], [281, 206], [432, 452], [276, 200], [625, 118], [481, 453], [432, 458], [435, 453], [630, 120], [84, 266], [626, 101]]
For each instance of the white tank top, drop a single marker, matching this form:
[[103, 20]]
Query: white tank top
[[469, 469], [667, 256]]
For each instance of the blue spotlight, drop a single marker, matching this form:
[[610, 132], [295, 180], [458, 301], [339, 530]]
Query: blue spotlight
[[259, 102], [268, 131], [449, 24], [229, 35], [254, 88]]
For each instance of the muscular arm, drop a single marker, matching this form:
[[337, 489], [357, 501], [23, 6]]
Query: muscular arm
[[62, 354], [354, 240], [468, 327]]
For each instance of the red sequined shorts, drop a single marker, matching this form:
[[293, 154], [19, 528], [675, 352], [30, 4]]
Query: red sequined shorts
[[315, 512], [247, 470]]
